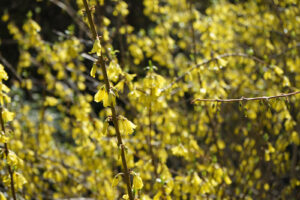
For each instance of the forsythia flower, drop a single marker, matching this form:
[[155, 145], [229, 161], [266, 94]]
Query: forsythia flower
[[3, 74], [3, 138], [137, 182], [93, 70], [108, 99], [196, 180], [126, 127], [221, 144], [105, 126], [7, 116], [179, 150], [96, 48], [51, 101], [116, 180], [2, 197], [19, 180], [227, 180], [12, 158]]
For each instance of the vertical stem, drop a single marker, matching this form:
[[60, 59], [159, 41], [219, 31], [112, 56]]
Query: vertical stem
[[10, 171], [101, 62]]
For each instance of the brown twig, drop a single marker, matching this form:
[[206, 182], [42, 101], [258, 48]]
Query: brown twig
[[246, 99], [101, 62], [72, 13], [211, 60], [11, 68], [6, 151]]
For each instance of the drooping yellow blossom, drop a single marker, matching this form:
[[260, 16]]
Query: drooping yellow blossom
[[96, 47], [126, 127], [3, 74], [137, 182], [2, 197], [108, 99], [179, 150], [7, 115], [19, 180], [93, 70], [116, 180], [51, 101]]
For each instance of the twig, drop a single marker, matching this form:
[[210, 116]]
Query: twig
[[285, 51], [210, 60], [66, 7], [102, 64], [10, 67], [246, 99]]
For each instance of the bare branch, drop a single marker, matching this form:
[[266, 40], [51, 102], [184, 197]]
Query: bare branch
[[72, 13], [210, 60], [10, 67], [246, 99]]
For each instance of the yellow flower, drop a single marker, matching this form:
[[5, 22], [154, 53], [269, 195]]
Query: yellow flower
[[12, 159], [99, 96], [2, 197], [179, 150], [295, 138], [96, 48], [266, 186], [19, 180], [227, 180], [5, 18], [116, 180], [105, 126], [137, 182], [3, 74], [126, 127], [196, 180], [51, 101], [93, 70], [221, 144], [7, 116], [3, 138], [108, 99]]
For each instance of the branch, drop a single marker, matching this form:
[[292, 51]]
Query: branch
[[211, 60], [72, 13], [246, 99], [10, 67], [286, 51], [102, 64]]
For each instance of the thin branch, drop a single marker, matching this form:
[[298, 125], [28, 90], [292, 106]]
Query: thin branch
[[286, 51], [72, 13], [246, 99], [102, 64], [10, 67], [211, 60]]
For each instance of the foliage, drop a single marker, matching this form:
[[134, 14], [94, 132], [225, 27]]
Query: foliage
[[77, 113]]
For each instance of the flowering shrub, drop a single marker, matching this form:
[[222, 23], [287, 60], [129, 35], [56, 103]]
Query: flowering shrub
[[199, 102]]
